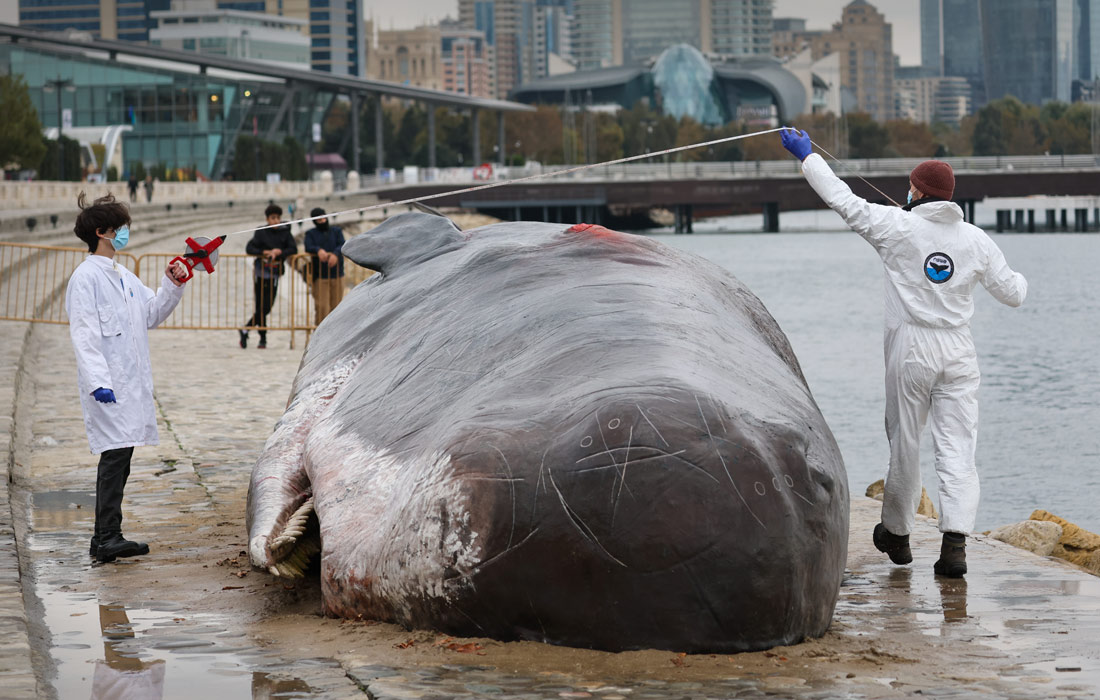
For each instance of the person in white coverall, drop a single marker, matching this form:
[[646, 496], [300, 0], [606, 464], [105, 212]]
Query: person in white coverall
[[110, 313], [932, 261]]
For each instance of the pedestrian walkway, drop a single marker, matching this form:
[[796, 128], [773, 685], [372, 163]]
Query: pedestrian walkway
[[195, 616]]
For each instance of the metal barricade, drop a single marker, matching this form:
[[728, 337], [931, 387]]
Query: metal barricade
[[33, 278], [229, 298]]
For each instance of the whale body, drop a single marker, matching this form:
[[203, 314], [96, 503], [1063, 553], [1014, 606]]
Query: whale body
[[555, 433]]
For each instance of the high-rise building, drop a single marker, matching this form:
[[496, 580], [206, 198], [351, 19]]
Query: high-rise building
[[933, 99], [335, 27], [408, 56], [1086, 37], [125, 20], [651, 26], [336, 30], [738, 27], [597, 34], [951, 42], [864, 40], [614, 32], [198, 25], [523, 35], [466, 57], [790, 36], [1028, 49]]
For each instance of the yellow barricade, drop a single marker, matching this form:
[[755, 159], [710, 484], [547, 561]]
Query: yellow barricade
[[33, 280], [230, 298]]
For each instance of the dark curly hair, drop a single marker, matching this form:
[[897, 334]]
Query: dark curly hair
[[102, 215]]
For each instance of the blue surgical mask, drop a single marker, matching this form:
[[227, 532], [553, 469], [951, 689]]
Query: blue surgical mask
[[122, 237], [909, 199]]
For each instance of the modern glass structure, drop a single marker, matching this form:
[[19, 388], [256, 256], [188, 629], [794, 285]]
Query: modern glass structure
[[683, 82], [1028, 49], [178, 117], [686, 83], [186, 110]]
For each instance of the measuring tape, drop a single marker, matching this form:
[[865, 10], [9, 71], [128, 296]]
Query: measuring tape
[[528, 178]]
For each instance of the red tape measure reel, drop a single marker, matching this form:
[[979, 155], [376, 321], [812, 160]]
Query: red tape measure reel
[[200, 251]]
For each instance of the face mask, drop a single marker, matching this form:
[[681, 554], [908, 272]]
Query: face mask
[[122, 237], [909, 199]]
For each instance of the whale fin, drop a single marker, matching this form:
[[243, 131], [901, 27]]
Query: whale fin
[[420, 206], [403, 240]]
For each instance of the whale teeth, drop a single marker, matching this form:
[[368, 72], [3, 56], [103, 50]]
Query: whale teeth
[[293, 548]]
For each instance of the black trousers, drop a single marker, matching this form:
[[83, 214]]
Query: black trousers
[[114, 470], [265, 290]]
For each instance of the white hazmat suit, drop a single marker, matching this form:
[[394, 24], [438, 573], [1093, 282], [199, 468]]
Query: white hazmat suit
[[110, 314], [932, 261]]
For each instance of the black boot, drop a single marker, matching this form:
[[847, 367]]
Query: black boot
[[115, 545], [952, 561], [263, 340], [244, 338], [95, 545], [896, 546]]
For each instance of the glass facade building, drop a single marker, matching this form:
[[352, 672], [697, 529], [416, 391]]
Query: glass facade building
[[179, 117], [338, 42], [951, 43], [1028, 49], [651, 26]]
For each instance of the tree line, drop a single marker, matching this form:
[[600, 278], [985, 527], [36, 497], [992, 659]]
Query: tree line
[[552, 136], [1004, 127]]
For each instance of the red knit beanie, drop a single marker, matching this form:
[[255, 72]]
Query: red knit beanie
[[934, 178]]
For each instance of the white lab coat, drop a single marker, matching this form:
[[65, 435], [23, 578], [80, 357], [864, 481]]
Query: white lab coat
[[932, 261], [110, 314]]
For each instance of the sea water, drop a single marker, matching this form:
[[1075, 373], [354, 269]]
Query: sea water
[[1039, 434]]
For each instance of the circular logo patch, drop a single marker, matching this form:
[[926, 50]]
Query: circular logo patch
[[939, 267]]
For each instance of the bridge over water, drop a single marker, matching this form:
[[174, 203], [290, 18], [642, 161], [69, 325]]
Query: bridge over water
[[606, 193]]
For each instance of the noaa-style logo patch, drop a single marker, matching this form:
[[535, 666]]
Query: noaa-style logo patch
[[938, 267]]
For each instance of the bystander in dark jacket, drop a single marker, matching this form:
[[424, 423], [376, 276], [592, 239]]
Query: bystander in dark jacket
[[271, 245], [325, 242]]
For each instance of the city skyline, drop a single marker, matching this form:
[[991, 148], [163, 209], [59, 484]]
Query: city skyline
[[819, 14]]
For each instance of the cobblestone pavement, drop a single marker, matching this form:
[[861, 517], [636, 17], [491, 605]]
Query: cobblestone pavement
[[192, 618]]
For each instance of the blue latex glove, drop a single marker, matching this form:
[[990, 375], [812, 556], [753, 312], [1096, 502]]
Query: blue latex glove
[[797, 142], [104, 395]]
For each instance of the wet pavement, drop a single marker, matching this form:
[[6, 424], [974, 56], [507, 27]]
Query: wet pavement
[[192, 619]]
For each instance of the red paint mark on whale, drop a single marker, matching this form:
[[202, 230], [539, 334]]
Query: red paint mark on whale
[[593, 230]]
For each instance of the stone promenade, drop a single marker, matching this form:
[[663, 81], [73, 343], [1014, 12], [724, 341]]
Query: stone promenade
[[192, 619]]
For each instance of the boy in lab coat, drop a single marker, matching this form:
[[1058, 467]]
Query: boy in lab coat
[[110, 313]]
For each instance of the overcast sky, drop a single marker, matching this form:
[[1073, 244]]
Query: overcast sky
[[820, 14]]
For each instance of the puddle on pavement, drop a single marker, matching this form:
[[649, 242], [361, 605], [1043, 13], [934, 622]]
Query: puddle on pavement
[[144, 650], [57, 510], [149, 651]]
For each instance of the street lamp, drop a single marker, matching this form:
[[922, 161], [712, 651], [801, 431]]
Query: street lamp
[[57, 85]]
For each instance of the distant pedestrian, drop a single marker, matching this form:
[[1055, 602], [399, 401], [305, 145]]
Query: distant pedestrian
[[325, 242], [132, 183], [148, 188], [271, 244], [110, 313]]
